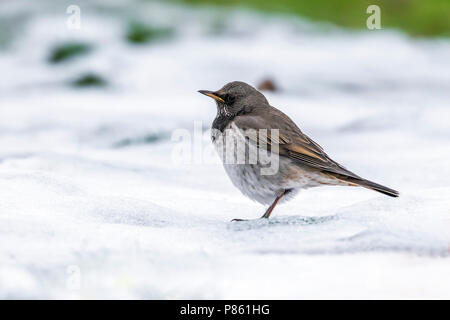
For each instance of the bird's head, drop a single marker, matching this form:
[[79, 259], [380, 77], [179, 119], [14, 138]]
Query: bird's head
[[236, 97]]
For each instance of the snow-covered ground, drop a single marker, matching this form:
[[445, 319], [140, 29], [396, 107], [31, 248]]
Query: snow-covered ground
[[94, 205]]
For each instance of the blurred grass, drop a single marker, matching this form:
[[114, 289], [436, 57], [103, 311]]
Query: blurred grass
[[89, 80], [4, 35], [11, 26], [140, 33], [416, 17], [67, 51], [146, 139]]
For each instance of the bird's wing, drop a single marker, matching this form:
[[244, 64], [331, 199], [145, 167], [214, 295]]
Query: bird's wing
[[297, 146], [292, 142]]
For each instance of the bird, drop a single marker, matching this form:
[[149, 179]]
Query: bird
[[248, 128]]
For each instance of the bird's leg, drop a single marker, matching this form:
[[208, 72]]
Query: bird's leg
[[266, 215]]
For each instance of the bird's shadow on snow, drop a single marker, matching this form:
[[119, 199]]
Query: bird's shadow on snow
[[280, 222]]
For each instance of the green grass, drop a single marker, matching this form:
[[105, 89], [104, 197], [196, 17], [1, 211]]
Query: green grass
[[416, 17], [68, 51], [89, 80], [140, 33]]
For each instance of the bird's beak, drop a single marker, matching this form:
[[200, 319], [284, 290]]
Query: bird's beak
[[211, 94]]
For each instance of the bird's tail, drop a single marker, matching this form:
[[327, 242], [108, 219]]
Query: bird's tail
[[374, 186]]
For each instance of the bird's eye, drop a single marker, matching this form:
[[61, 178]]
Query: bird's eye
[[229, 99]]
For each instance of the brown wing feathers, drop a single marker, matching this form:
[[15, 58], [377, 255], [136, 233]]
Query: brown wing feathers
[[297, 146], [311, 154]]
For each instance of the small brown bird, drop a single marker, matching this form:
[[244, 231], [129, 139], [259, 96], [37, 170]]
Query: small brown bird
[[253, 131]]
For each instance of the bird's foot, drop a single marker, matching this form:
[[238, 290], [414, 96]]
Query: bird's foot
[[237, 220]]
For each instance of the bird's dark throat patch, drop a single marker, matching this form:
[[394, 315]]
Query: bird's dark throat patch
[[221, 121]]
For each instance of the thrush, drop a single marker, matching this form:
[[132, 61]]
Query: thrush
[[256, 129]]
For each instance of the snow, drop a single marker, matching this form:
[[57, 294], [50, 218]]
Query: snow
[[95, 205]]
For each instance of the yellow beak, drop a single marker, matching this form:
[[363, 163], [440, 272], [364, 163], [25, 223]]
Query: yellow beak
[[211, 94]]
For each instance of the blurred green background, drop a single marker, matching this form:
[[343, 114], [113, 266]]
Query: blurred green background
[[416, 17]]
